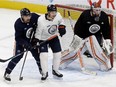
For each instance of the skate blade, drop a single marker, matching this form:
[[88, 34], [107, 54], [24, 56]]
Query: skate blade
[[57, 78], [43, 81], [6, 81]]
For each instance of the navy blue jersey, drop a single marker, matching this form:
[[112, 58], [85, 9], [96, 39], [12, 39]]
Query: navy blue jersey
[[87, 26], [23, 30]]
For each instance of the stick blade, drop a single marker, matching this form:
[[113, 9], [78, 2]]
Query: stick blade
[[21, 78], [1, 60]]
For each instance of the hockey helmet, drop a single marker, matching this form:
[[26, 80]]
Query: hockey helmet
[[51, 7], [96, 9], [25, 12], [96, 4]]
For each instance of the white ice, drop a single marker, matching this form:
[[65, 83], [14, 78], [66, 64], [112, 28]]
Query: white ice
[[72, 75]]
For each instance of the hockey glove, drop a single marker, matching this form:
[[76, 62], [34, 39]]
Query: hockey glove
[[35, 42], [62, 30], [28, 46], [107, 46]]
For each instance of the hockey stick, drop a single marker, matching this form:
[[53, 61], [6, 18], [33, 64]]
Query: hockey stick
[[76, 40], [20, 76], [5, 60]]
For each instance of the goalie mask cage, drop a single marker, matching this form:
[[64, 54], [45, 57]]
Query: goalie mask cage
[[75, 13]]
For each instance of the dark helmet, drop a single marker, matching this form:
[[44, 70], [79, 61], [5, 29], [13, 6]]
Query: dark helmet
[[25, 12], [51, 8]]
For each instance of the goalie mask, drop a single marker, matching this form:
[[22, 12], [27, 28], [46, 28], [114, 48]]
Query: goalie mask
[[96, 10]]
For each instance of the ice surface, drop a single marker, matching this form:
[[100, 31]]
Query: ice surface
[[72, 75]]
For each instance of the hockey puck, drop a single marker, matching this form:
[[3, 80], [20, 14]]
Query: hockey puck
[[21, 78]]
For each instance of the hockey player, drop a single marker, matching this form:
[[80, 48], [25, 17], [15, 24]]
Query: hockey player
[[24, 26], [50, 24], [93, 27]]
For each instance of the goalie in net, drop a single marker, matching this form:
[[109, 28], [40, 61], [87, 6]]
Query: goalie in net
[[92, 33]]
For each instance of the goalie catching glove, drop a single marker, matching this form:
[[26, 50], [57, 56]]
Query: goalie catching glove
[[62, 30], [107, 46], [32, 45]]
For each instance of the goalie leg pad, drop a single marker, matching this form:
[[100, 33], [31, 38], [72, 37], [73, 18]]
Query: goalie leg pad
[[96, 51], [67, 59], [71, 56]]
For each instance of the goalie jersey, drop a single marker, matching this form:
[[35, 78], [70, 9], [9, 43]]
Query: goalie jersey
[[87, 26], [47, 28]]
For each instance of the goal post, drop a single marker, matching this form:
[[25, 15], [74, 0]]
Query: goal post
[[75, 13]]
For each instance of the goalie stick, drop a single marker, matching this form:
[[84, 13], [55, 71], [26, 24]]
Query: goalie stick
[[70, 19], [5, 60], [76, 40]]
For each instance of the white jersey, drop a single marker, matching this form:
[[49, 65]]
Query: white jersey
[[47, 28]]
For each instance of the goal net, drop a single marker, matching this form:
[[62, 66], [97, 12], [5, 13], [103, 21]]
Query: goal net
[[75, 13]]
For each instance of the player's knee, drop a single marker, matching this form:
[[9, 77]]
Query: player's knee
[[43, 56], [57, 55]]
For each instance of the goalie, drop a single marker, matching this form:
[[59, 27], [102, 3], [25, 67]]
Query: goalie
[[94, 30]]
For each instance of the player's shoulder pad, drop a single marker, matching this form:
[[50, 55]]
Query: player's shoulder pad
[[104, 13], [58, 14], [35, 15], [41, 18], [18, 24], [86, 12], [18, 21]]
